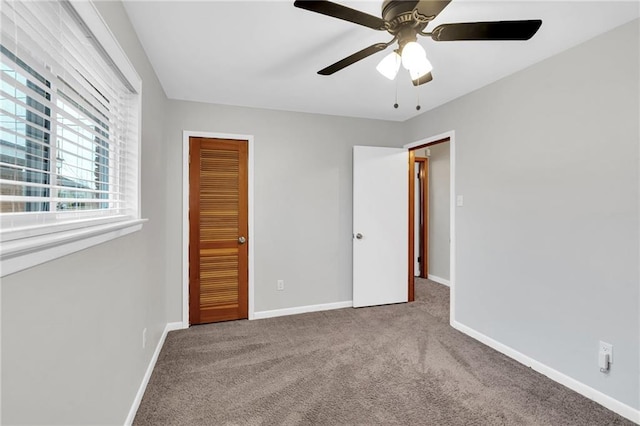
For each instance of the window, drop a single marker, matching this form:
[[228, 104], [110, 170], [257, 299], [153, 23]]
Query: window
[[69, 129]]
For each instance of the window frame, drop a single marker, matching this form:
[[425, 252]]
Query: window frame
[[28, 246]]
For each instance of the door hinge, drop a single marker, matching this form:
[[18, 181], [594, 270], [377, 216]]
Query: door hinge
[[419, 259]]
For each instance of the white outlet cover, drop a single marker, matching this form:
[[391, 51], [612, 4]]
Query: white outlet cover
[[606, 348]]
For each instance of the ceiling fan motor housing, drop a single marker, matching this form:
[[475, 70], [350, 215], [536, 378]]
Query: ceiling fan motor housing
[[393, 9], [401, 21]]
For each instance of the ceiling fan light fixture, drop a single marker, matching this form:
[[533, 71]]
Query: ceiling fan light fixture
[[421, 68], [390, 65], [412, 55]]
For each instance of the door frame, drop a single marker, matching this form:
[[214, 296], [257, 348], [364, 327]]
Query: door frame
[[450, 135], [186, 134]]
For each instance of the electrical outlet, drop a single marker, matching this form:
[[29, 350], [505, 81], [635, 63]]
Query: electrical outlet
[[606, 349], [280, 285], [144, 338]]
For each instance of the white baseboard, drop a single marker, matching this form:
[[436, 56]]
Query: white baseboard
[[147, 375], [302, 309], [172, 326], [611, 403], [439, 280]]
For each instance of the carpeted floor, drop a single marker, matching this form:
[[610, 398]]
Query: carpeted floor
[[388, 365]]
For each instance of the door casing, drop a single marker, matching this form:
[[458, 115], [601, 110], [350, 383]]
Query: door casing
[[185, 216]]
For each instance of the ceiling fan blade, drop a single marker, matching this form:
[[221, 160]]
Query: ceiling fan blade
[[422, 80], [499, 30], [431, 8], [353, 58], [339, 11]]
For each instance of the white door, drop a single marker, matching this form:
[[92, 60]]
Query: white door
[[380, 225]]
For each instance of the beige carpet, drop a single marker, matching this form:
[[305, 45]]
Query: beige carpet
[[388, 365]]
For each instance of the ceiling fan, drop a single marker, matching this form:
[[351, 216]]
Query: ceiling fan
[[405, 20]]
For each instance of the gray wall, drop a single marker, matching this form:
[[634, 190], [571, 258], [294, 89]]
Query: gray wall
[[439, 200], [72, 328], [303, 191], [547, 240]]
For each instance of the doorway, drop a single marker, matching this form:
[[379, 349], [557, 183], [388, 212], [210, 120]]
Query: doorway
[[421, 219], [187, 170], [417, 161]]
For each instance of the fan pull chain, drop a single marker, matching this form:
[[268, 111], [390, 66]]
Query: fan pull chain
[[396, 104], [418, 93]]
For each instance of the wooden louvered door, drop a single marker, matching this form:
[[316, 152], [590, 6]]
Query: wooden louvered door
[[218, 240]]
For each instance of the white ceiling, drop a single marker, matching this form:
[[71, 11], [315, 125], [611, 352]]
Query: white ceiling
[[266, 54]]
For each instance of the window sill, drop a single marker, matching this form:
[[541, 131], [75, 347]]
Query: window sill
[[18, 255]]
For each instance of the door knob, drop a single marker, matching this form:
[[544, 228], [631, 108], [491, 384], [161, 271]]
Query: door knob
[[359, 236], [242, 240]]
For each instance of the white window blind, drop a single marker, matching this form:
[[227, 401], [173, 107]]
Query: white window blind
[[69, 124]]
